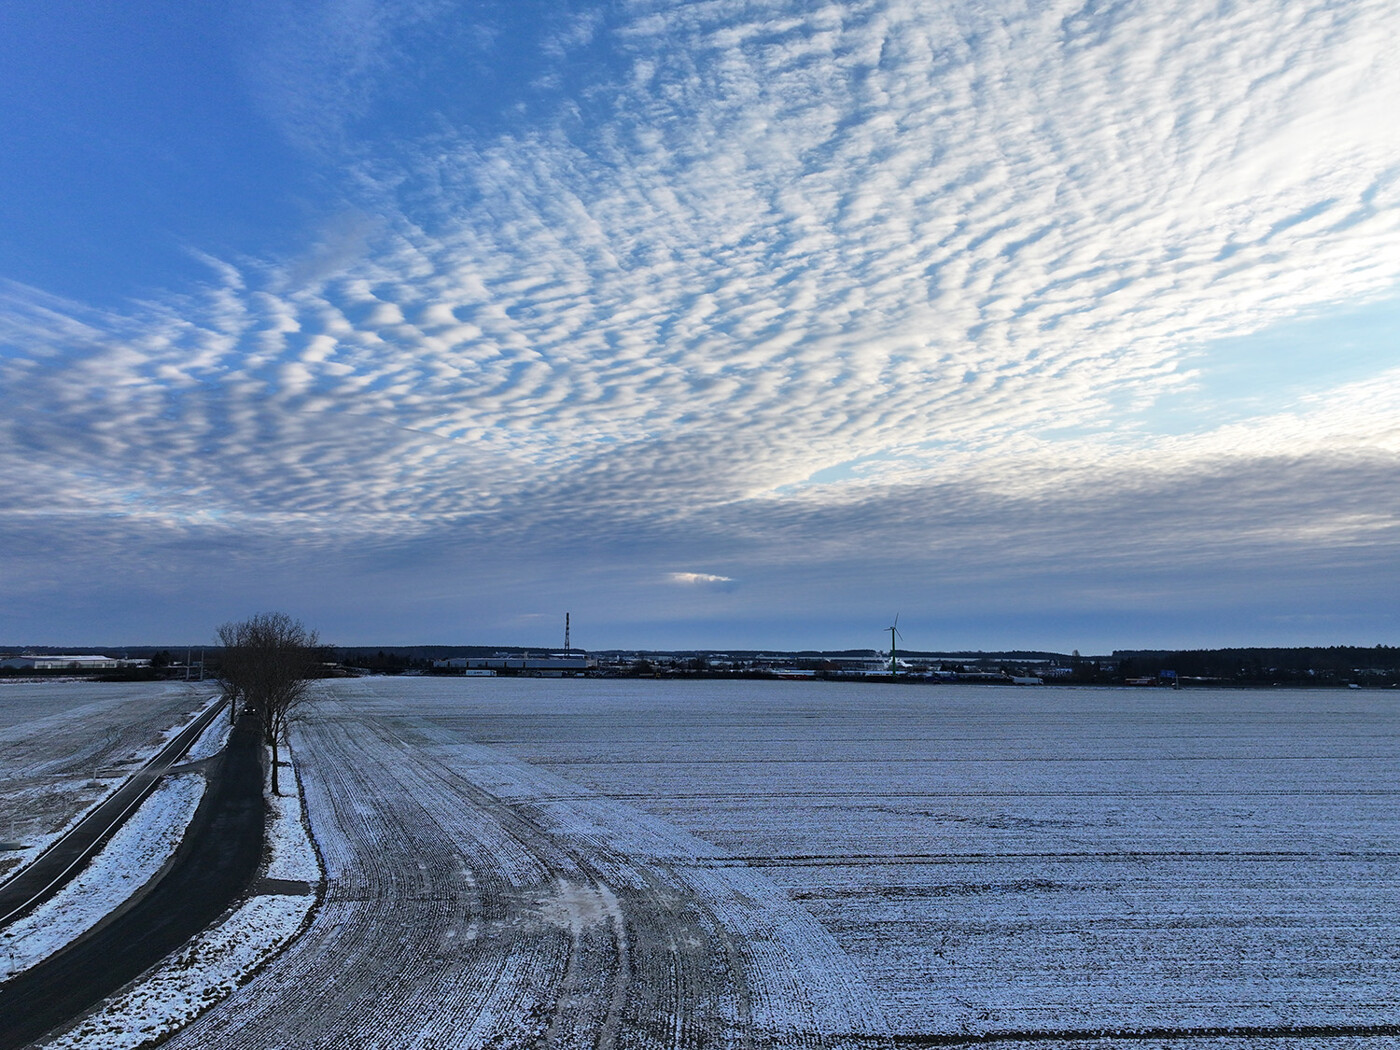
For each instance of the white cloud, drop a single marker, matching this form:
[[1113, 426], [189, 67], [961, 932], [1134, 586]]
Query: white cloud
[[766, 262], [699, 579]]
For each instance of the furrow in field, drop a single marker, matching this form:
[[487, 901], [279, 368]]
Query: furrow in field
[[459, 912], [753, 966], [421, 939]]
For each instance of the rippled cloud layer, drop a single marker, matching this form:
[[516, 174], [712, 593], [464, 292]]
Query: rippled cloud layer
[[751, 314]]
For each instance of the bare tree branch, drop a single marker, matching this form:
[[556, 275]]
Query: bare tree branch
[[267, 663]]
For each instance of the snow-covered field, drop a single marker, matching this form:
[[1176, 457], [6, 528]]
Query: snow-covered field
[[999, 859], [654, 864], [473, 900], [65, 745]]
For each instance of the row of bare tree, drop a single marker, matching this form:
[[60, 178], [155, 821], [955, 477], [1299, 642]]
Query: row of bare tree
[[268, 662]]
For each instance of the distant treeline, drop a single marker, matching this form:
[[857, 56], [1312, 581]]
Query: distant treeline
[[1336, 665], [1296, 666]]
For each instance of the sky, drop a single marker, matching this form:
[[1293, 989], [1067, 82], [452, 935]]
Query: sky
[[716, 324]]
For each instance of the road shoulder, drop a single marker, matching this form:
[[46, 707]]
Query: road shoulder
[[211, 966]]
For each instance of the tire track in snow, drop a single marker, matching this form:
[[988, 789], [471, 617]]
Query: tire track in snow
[[782, 979], [624, 955], [464, 908], [407, 949], [1217, 1036]]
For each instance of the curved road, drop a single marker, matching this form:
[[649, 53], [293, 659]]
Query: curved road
[[39, 880], [213, 865]]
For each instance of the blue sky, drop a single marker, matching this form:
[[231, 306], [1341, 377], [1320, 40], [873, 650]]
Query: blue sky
[[724, 324]]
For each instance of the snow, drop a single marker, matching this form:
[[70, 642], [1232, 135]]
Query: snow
[[67, 745], [75, 802], [217, 962], [991, 859], [475, 900], [800, 980], [921, 861], [211, 741], [131, 858], [199, 975], [291, 854]]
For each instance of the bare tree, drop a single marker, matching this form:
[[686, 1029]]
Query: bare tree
[[266, 668]]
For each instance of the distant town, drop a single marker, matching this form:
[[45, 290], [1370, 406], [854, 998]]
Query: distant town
[[1334, 666]]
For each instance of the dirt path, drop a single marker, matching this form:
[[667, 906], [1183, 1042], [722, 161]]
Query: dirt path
[[476, 902], [214, 865]]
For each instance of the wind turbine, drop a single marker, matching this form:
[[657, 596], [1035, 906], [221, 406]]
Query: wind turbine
[[894, 631]]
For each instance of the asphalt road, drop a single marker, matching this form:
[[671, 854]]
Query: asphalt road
[[52, 869], [213, 866]]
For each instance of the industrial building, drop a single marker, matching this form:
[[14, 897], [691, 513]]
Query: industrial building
[[67, 662]]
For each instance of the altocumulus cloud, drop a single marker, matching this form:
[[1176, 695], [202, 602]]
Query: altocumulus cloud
[[768, 285]]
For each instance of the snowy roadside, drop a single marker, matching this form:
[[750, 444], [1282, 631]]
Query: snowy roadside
[[134, 855], [209, 743], [214, 964], [131, 858]]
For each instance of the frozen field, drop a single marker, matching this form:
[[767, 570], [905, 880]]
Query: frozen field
[[64, 745], [584, 863], [995, 858]]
